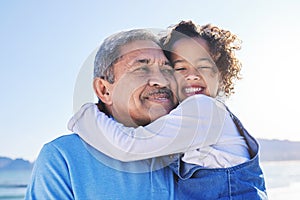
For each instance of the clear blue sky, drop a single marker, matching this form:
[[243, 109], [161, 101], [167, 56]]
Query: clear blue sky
[[43, 45]]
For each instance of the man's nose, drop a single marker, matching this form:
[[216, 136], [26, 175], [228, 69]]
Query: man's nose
[[157, 78]]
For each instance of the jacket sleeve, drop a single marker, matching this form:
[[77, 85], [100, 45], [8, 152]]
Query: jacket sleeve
[[197, 122]]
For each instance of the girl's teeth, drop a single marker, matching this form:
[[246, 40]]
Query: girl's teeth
[[193, 90]]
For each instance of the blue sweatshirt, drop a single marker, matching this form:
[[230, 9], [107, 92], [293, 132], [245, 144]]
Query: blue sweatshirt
[[68, 168]]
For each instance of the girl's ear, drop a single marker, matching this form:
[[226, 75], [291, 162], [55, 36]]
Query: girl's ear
[[102, 90]]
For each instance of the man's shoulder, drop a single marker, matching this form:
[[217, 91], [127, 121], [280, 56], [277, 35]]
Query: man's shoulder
[[69, 141], [73, 137]]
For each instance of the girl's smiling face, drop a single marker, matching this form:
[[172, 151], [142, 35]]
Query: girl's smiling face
[[195, 70]]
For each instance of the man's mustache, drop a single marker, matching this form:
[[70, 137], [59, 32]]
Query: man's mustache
[[165, 91]]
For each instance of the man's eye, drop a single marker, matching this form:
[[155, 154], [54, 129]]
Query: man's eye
[[144, 61], [168, 70], [141, 69]]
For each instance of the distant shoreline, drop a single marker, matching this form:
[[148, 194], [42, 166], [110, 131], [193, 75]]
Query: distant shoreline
[[13, 185], [270, 150]]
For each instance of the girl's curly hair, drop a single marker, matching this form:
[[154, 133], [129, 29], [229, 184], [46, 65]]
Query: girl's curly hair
[[222, 45]]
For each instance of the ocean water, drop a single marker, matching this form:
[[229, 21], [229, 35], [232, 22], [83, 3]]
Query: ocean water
[[13, 184], [282, 181]]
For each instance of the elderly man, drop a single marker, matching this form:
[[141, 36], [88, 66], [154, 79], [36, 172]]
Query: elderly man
[[135, 86]]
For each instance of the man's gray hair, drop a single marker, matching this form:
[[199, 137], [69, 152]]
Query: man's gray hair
[[109, 51]]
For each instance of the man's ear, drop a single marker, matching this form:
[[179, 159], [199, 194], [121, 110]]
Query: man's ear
[[102, 90]]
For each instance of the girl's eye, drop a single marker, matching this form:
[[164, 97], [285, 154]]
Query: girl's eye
[[180, 68], [204, 67]]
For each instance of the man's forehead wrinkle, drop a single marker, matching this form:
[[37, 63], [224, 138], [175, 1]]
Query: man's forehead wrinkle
[[140, 47], [152, 55], [141, 50]]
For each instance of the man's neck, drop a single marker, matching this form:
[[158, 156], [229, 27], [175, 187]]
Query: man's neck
[[101, 106]]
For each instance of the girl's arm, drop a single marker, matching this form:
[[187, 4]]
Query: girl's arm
[[197, 122]]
